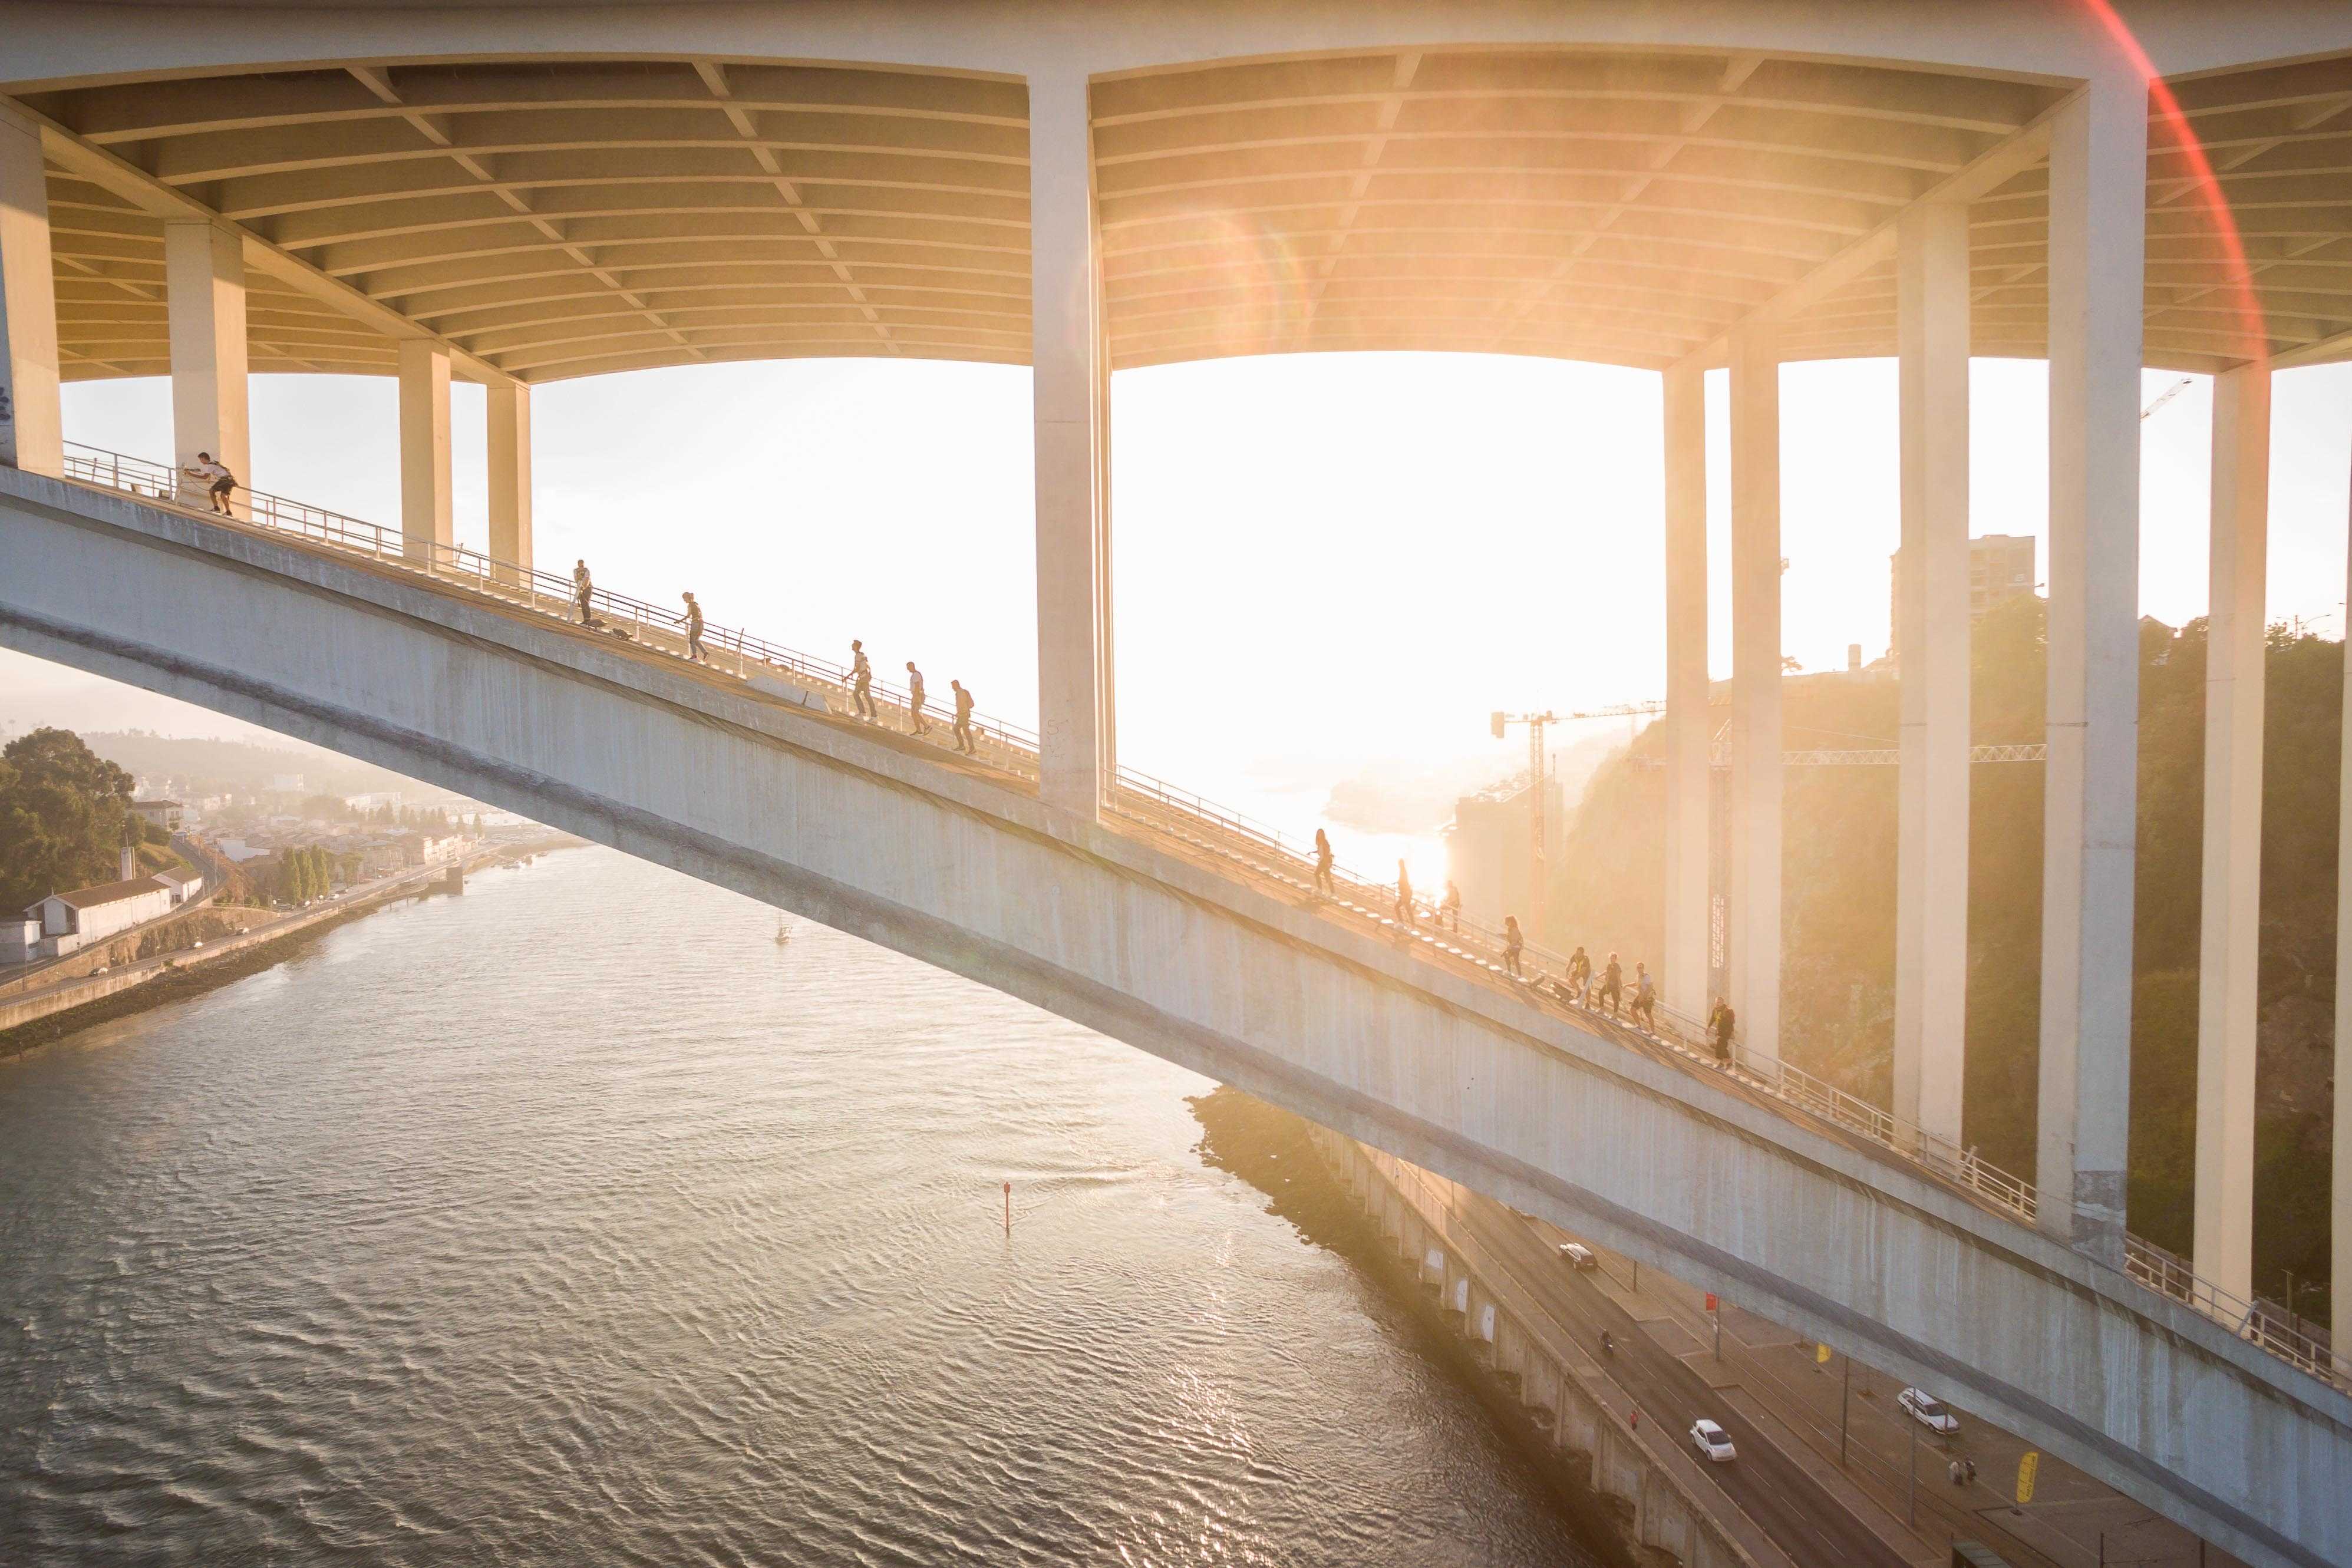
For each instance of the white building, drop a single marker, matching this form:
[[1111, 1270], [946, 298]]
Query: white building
[[71, 921], [185, 885], [20, 939], [163, 813]]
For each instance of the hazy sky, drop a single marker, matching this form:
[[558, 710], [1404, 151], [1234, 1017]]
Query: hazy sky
[[1321, 560]]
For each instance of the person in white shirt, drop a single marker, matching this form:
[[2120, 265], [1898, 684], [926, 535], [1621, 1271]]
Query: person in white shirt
[[216, 478]]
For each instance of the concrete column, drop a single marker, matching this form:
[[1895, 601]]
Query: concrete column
[[204, 277], [32, 427], [1756, 739], [507, 410], [1071, 378], [2235, 646], [426, 529], [2098, 177], [1931, 905], [1688, 785], [2340, 1193]]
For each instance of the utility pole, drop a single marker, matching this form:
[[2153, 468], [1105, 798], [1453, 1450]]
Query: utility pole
[[1539, 808], [1845, 1408]]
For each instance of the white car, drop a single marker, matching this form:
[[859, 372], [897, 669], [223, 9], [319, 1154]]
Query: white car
[[1713, 1443], [1575, 1254], [1930, 1411]]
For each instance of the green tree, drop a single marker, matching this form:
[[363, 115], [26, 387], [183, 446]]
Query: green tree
[[65, 813]]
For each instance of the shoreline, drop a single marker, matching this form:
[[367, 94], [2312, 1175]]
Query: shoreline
[[1273, 1151], [180, 980]]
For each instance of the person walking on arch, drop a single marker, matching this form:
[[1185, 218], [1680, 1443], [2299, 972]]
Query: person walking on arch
[[1645, 998], [1721, 1022], [963, 720], [861, 683], [1449, 909], [218, 480], [1404, 913], [1579, 974], [1612, 984], [1513, 944], [693, 619], [1323, 882], [583, 590], [915, 700]]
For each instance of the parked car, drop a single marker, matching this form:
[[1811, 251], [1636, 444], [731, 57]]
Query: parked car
[[1577, 1255], [1713, 1443], [1930, 1411]]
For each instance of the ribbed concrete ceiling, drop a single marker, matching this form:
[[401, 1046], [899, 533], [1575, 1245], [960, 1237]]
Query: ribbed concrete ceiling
[[563, 219], [568, 218]]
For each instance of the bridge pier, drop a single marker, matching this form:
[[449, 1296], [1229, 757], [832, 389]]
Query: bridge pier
[[1688, 782], [1071, 385], [1756, 679], [32, 426], [204, 277], [2229, 941], [1931, 905], [507, 410], [426, 529], [2098, 172]]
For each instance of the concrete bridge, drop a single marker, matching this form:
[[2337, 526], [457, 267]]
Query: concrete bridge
[[1134, 933], [517, 196]]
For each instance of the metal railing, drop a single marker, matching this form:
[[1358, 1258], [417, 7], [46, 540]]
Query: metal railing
[[1260, 847]]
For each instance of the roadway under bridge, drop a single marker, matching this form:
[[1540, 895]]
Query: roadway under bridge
[[1131, 931]]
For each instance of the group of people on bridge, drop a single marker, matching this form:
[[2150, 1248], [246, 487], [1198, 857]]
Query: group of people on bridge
[[1603, 990]]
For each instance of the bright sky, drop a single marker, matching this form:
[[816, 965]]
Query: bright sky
[[1321, 562]]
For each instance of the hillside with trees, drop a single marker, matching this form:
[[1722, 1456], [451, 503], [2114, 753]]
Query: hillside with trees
[[1837, 914], [64, 815]]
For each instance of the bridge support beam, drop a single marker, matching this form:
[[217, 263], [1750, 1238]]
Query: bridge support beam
[[203, 278], [1687, 783], [1072, 392], [2098, 178], [2231, 910], [1756, 730], [1931, 906], [507, 410], [2340, 1193], [32, 424], [426, 529]]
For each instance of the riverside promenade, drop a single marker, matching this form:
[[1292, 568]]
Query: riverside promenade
[[33, 1004]]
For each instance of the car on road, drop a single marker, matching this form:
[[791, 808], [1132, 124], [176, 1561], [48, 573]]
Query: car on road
[[1577, 1255], [1713, 1443], [1930, 1411]]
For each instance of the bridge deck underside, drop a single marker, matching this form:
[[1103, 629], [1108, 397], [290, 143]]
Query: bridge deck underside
[[571, 217]]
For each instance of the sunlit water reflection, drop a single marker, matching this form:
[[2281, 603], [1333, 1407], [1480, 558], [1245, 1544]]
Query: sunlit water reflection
[[573, 1221]]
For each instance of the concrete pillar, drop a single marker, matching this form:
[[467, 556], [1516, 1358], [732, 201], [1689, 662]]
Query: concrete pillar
[[2340, 1193], [426, 529], [32, 427], [2231, 910], [1931, 905], [1071, 378], [507, 410], [203, 279], [1688, 784], [2098, 178], [1756, 739]]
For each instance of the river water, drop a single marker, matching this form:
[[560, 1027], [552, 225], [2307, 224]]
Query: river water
[[572, 1221]]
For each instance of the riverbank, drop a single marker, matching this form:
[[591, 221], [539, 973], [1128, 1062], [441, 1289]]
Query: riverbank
[[49, 1013], [1275, 1152]]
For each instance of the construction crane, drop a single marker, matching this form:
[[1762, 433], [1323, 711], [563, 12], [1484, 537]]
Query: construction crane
[[2167, 395], [1538, 802]]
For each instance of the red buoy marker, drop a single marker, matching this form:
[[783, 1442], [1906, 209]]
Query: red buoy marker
[[1008, 1208]]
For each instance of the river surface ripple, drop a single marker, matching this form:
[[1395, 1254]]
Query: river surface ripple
[[572, 1221]]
